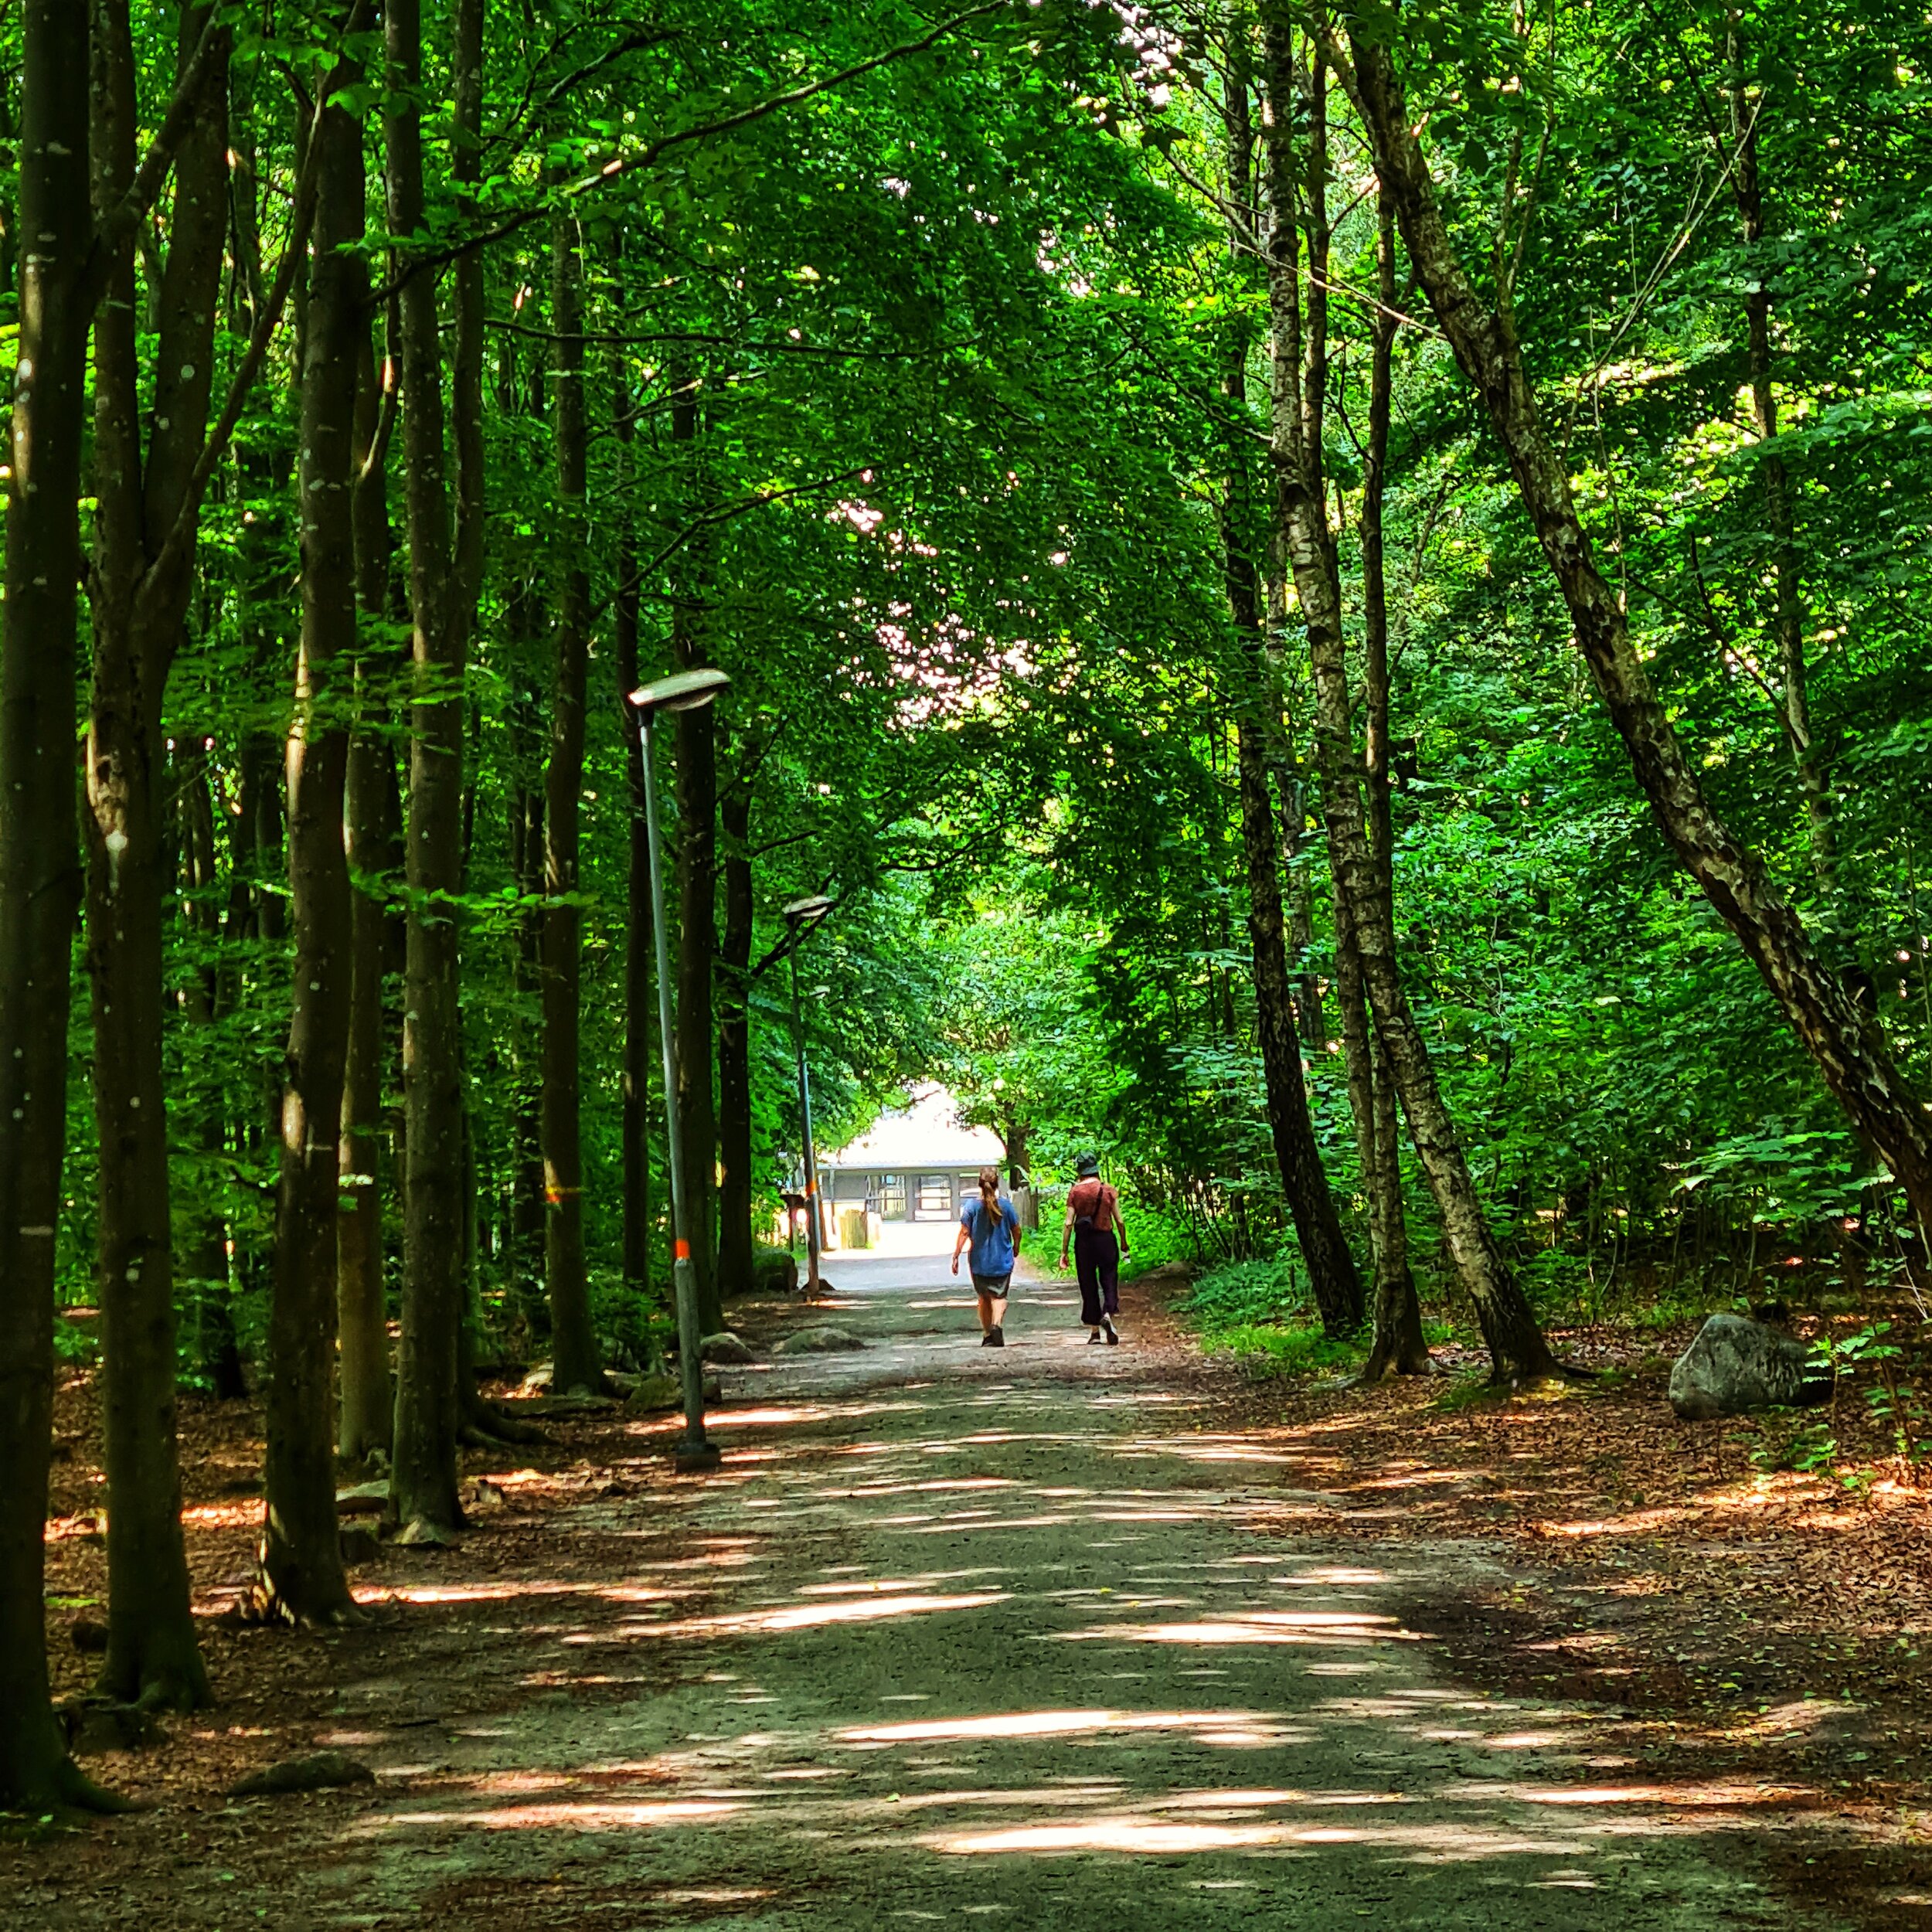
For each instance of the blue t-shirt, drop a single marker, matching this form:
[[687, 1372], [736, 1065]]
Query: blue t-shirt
[[992, 1238]]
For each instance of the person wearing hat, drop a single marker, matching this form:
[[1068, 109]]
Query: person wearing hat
[[1098, 1236]]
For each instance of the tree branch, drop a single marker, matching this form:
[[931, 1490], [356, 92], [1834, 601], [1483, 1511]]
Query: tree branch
[[654, 151], [145, 188], [268, 319], [724, 515]]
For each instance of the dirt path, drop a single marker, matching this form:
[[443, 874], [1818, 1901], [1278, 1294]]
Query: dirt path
[[955, 1633]]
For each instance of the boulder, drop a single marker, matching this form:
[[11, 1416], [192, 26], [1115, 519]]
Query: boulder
[[1735, 1366], [653, 1393], [822, 1339], [321, 1771], [725, 1348]]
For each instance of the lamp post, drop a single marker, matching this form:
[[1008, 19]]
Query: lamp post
[[800, 917], [686, 691]]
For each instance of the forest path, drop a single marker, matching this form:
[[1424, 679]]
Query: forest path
[[994, 1635]]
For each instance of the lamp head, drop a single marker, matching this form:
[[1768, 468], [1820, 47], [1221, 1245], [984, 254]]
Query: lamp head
[[802, 910], [682, 691]]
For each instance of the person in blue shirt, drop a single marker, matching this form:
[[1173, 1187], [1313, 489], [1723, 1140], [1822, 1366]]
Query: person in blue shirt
[[990, 1227]]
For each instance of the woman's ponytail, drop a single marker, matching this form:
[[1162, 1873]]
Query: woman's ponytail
[[989, 1189]]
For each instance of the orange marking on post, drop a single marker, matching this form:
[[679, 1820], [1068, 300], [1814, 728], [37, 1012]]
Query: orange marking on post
[[681, 1251]]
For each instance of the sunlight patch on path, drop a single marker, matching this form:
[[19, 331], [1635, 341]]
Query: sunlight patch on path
[[801, 1617], [1053, 1724]]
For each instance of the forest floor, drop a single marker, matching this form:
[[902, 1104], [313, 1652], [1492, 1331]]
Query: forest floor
[[1067, 1635], [1708, 1613]]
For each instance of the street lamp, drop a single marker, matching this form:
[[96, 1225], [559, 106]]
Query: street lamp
[[685, 691], [800, 917]]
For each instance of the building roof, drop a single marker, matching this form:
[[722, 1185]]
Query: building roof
[[923, 1137]]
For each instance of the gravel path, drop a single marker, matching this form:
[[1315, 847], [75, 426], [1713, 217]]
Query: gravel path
[[994, 1635]]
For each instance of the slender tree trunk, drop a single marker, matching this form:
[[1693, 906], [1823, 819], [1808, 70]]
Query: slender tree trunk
[[366, 1416], [1517, 1350], [423, 1490], [1400, 1347], [1331, 1270], [577, 1364], [211, 1296], [142, 586], [522, 624], [39, 866], [697, 793], [1844, 1041], [638, 937], [736, 1257], [302, 1579], [1788, 583]]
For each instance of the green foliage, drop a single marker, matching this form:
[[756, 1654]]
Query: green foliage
[[1268, 1349], [951, 513], [1239, 1295]]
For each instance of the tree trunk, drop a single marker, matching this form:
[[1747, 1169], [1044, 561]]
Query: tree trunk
[[1332, 1275], [302, 1580], [141, 582], [207, 1282], [736, 1260], [638, 937], [1400, 1347], [1843, 1040], [1517, 1351], [697, 794], [1331, 1270], [1788, 585], [1015, 1136], [574, 1340], [422, 1490], [523, 717], [39, 868], [366, 1416]]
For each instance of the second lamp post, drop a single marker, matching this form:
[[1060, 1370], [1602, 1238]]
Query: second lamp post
[[800, 917]]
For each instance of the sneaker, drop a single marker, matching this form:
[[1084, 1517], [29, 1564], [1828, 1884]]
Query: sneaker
[[1093, 1337], [1113, 1340], [995, 1338]]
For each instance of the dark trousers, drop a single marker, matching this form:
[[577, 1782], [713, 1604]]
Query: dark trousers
[[1096, 1259]]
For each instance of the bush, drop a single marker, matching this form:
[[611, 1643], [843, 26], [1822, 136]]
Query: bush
[[1158, 1241], [1241, 1294], [1271, 1349]]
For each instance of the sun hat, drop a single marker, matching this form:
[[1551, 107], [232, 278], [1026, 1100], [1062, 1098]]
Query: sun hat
[[1087, 1165]]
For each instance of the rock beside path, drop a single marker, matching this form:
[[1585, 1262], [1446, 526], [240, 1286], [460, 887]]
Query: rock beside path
[[1735, 1366], [652, 1393], [820, 1339], [323, 1771], [724, 1347]]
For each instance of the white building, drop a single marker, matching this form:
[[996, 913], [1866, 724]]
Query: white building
[[917, 1164]]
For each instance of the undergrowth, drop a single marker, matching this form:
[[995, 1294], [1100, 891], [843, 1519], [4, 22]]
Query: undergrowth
[[1261, 1313]]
